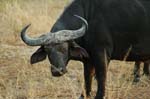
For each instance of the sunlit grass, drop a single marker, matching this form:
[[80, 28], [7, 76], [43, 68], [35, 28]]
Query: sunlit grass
[[15, 14], [20, 80]]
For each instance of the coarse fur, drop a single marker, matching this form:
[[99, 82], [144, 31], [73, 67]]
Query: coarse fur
[[113, 27]]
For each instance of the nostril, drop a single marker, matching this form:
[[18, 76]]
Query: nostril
[[58, 71], [53, 69], [63, 70]]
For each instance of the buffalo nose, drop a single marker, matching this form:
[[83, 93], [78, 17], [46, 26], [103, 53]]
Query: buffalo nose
[[58, 71]]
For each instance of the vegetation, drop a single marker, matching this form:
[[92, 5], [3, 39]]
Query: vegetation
[[15, 14], [20, 80]]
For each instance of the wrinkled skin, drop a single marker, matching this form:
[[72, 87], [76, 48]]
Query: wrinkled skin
[[114, 26], [59, 55]]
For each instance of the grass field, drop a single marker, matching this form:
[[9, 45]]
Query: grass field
[[20, 80]]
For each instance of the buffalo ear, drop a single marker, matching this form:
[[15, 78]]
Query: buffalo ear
[[78, 53], [38, 56]]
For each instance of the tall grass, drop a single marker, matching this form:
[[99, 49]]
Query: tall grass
[[20, 80], [15, 14]]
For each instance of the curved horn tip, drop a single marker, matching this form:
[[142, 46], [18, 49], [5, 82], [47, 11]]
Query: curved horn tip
[[25, 28], [81, 18]]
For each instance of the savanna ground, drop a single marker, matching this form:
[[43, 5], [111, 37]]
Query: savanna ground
[[20, 80]]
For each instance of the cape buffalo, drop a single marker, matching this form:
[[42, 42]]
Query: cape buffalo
[[113, 27]]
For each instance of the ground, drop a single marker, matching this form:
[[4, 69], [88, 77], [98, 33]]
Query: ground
[[21, 80]]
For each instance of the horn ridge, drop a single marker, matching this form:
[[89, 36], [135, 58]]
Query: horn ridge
[[57, 37]]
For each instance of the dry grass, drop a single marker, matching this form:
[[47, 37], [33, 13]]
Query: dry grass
[[15, 14], [20, 80]]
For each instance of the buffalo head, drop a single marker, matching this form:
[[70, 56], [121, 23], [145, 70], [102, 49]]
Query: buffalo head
[[58, 46]]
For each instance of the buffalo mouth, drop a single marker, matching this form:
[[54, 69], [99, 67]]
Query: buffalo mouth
[[57, 72]]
